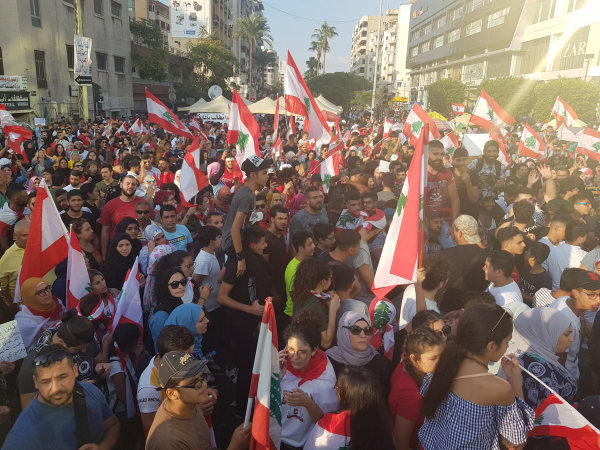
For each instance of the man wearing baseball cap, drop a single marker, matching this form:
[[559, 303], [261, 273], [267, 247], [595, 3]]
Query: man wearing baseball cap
[[179, 421]]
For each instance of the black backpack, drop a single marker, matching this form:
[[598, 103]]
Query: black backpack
[[497, 167]]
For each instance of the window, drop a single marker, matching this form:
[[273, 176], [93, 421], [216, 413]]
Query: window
[[98, 7], [473, 72], [574, 5], [131, 5], [473, 27], [1, 63], [102, 61], [456, 13], [40, 69], [414, 51], [472, 5], [415, 34], [36, 18], [438, 41], [543, 11], [115, 8], [119, 64], [427, 28], [535, 55], [425, 47], [441, 21], [498, 18], [70, 56], [454, 35]]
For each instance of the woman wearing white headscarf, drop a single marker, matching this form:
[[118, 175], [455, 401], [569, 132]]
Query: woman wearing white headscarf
[[354, 349], [540, 334]]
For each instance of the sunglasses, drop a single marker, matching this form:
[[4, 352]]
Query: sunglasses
[[146, 211], [56, 356], [261, 207], [356, 330], [176, 284]]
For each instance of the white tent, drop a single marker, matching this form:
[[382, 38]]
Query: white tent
[[325, 104], [195, 105], [266, 106], [219, 105]]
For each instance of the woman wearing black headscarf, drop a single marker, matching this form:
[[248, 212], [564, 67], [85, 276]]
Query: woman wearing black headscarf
[[169, 289], [119, 260], [130, 226]]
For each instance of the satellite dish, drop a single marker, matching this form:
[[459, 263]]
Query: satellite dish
[[215, 91]]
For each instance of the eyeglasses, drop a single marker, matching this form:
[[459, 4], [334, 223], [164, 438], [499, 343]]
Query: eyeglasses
[[356, 330], [176, 284], [197, 385], [261, 207], [332, 238], [47, 358], [144, 212], [590, 296], [301, 353], [44, 291]]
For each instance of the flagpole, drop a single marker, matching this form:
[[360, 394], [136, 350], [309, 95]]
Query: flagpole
[[376, 61]]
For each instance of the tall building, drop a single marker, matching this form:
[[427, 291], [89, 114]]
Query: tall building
[[470, 40], [37, 48]]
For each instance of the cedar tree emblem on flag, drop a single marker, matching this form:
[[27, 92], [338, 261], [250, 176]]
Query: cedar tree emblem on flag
[[327, 180], [243, 140], [596, 146], [168, 117], [491, 114], [307, 103], [416, 127], [530, 142]]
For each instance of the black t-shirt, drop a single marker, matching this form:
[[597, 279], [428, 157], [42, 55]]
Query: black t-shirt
[[530, 283], [277, 249], [333, 217], [290, 148], [243, 291], [466, 206], [68, 220]]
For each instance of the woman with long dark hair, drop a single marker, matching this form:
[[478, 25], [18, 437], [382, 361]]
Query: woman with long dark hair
[[59, 153], [169, 289], [85, 234], [467, 407], [361, 423], [422, 349]]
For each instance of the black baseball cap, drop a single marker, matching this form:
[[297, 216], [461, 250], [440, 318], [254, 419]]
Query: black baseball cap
[[586, 280], [255, 163], [179, 365]]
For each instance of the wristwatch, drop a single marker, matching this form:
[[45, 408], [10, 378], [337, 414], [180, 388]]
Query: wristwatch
[[240, 256]]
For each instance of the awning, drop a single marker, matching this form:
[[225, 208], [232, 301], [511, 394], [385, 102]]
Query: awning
[[21, 111]]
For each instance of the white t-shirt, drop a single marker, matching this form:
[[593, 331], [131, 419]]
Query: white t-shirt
[[571, 364], [206, 264], [147, 396], [546, 241], [408, 309], [506, 294], [563, 257], [115, 368]]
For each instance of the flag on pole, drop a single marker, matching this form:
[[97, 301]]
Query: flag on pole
[[276, 120], [328, 169], [129, 306], [458, 108], [399, 260], [589, 144], [277, 149], [266, 386], [78, 279], [387, 128], [299, 100], [450, 142], [243, 130], [563, 113], [331, 431], [502, 155], [489, 115], [192, 179], [8, 218], [194, 124], [14, 143], [122, 130], [532, 145], [137, 127], [414, 123], [159, 114], [292, 126]]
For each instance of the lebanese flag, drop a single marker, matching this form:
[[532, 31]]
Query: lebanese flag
[[332, 431], [137, 127], [122, 130], [400, 257], [563, 112], [195, 124], [489, 115], [129, 306], [159, 114], [387, 128], [415, 121], [14, 143], [47, 244], [589, 144], [531, 144], [502, 155], [7, 118], [192, 179], [266, 386], [78, 279], [8, 218], [299, 100], [83, 139], [276, 119], [450, 142], [311, 144], [458, 108], [243, 130], [292, 126], [329, 168], [277, 148]]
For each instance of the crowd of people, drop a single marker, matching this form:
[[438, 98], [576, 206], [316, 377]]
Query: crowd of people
[[508, 279]]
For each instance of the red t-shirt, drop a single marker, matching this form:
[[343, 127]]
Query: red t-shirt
[[515, 275], [116, 210], [166, 177], [405, 401], [437, 189]]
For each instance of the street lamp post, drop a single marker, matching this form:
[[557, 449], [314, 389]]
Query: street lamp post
[[587, 57], [376, 62]]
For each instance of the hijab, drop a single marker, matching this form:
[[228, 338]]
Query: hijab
[[177, 183], [31, 187], [295, 204], [159, 251], [124, 223], [167, 302], [344, 352], [118, 265], [213, 169], [187, 316], [221, 200], [29, 299]]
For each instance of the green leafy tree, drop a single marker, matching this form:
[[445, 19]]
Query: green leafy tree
[[362, 100], [313, 66], [443, 93], [277, 88], [151, 62], [255, 30], [323, 35], [515, 94], [338, 87], [582, 96], [264, 58]]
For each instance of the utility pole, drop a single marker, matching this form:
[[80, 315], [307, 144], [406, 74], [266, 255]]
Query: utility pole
[[376, 62], [83, 94]]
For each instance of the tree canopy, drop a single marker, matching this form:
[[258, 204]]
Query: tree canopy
[[515, 94], [443, 93], [339, 87], [153, 66], [582, 96]]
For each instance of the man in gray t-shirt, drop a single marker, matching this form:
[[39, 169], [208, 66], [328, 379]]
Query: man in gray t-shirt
[[314, 213], [243, 201]]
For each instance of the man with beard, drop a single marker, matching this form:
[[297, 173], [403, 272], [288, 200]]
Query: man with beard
[[467, 183], [49, 420], [307, 217], [119, 208], [440, 182], [492, 173]]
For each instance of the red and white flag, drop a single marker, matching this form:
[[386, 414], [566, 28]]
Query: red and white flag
[[78, 279], [194, 124], [400, 257], [332, 431], [277, 149], [329, 168], [387, 128], [589, 144], [292, 126], [266, 386], [299, 100], [159, 114], [415, 121], [563, 113], [122, 130], [192, 179], [276, 120], [502, 155], [458, 108], [450, 142], [137, 127], [129, 306], [489, 115], [243, 130], [47, 244], [14, 143], [532, 145], [8, 218]]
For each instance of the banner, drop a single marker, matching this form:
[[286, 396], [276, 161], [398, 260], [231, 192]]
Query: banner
[[213, 117], [188, 17], [82, 62], [12, 83]]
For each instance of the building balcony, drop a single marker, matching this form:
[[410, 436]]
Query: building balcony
[[215, 18]]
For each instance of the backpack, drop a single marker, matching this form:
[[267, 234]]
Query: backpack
[[497, 167]]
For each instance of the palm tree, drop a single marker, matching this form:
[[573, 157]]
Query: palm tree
[[312, 64], [263, 59], [323, 35], [316, 46], [255, 30]]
